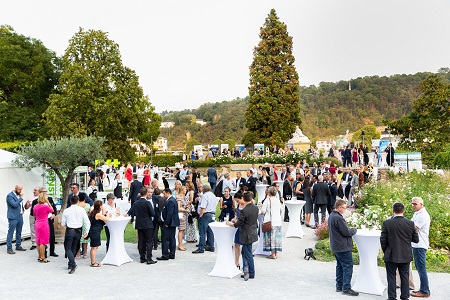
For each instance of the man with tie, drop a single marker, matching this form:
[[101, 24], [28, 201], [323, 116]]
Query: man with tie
[[144, 212], [239, 181], [15, 219], [283, 174], [170, 222]]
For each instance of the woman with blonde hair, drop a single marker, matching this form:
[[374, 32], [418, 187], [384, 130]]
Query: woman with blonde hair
[[41, 226], [182, 215], [177, 188]]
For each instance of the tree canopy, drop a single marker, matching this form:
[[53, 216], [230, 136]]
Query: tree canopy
[[370, 132], [28, 74], [274, 110], [62, 155], [427, 126], [98, 95]]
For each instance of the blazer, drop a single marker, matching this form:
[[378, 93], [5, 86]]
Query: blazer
[[248, 224], [170, 213], [397, 234], [287, 189], [158, 205], [14, 204], [212, 175], [88, 200], [251, 185], [135, 187], [333, 194], [143, 211], [239, 182], [320, 193]]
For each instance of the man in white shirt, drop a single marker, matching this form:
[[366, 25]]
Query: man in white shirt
[[421, 220], [73, 218], [255, 171], [227, 182]]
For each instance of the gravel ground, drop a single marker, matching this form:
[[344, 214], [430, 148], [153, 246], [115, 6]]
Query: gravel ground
[[186, 277]]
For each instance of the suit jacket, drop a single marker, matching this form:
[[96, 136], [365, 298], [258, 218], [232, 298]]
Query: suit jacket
[[287, 189], [347, 153], [320, 193], [248, 224], [135, 187], [333, 194], [251, 185], [157, 206], [347, 176], [88, 199], [14, 204], [212, 175], [143, 211], [239, 182], [397, 234], [170, 213], [282, 175]]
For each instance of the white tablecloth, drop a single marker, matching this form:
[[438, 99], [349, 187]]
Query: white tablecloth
[[261, 191], [295, 228], [259, 250], [368, 280], [224, 237], [171, 182], [116, 255]]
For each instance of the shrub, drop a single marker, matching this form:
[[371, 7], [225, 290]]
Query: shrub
[[162, 160], [322, 231], [442, 160]]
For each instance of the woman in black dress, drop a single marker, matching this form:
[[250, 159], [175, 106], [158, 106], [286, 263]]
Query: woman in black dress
[[97, 222], [306, 189]]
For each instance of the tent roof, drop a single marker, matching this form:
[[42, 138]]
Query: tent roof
[[6, 158]]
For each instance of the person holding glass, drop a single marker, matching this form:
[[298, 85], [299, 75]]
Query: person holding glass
[[98, 220]]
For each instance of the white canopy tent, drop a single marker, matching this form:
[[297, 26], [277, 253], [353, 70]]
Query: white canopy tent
[[10, 176]]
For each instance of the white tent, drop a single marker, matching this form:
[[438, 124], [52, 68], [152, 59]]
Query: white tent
[[9, 177]]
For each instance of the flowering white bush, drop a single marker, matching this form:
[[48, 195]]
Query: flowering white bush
[[371, 217]]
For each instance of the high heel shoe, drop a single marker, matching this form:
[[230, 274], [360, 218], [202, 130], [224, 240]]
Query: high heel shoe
[[181, 249], [238, 266]]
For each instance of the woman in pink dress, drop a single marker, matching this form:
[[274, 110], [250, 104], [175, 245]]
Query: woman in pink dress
[[146, 177], [41, 227], [355, 157], [129, 174]]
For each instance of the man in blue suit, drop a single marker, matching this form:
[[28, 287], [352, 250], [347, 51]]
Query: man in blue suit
[[15, 219], [212, 177], [171, 221]]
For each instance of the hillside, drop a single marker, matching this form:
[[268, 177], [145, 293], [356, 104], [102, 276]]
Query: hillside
[[327, 110]]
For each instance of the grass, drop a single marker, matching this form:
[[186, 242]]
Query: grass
[[129, 237]]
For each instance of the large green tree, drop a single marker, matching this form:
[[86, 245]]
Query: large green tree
[[98, 95], [62, 155], [274, 109], [427, 126], [370, 132], [28, 75]]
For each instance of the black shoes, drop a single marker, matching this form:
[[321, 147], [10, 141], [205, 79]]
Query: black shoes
[[10, 251], [143, 260], [72, 270], [209, 249], [350, 292], [197, 251], [151, 262], [249, 277], [54, 254], [33, 247], [20, 249], [339, 290], [162, 258]]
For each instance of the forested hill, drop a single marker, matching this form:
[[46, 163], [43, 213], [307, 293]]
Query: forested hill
[[327, 110]]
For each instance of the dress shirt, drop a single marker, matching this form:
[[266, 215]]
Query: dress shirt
[[151, 203], [110, 209], [421, 220], [74, 217], [227, 183], [209, 202]]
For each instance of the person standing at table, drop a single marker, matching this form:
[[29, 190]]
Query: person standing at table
[[397, 234], [206, 215], [15, 219], [73, 218], [170, 220], [42, 228], [342, 245], [248, 233], [145, 214], [97, 220], [421, 220], [287, 193], [112, 211]]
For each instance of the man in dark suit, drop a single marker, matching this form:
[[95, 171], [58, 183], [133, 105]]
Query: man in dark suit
[[347, 154], [239, 181], [144, 212], [158, 204], [171, 221], [75, 187], [347, 177], [332, 197], [320, 193], [248, 233], [251, 182], [396, 236], [287, 193], [212, 177], [135, 187]]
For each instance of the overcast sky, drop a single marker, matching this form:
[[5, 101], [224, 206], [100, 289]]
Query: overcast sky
[[190, 52]]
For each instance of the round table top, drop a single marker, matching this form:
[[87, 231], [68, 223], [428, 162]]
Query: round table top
[[368, 232], [219, 225], [295, 202], [119, 218]]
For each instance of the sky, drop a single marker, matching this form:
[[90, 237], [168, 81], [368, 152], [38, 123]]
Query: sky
[[187, 53]]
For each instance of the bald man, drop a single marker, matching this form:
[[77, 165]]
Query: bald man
[[15, 219]]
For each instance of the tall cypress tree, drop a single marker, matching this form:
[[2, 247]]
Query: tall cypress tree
[[274, 106]]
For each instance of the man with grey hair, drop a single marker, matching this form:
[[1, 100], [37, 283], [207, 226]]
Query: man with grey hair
[[30, 205], [227, 183], [421, 220], [320, 193], [207, 214]]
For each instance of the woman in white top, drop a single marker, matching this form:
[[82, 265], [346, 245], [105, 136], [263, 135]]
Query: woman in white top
[[272, 210]]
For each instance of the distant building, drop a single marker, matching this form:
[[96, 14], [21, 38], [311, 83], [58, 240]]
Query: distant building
[[161, 144], [325, 145], [299, 141], [167, 124], [200, 121]]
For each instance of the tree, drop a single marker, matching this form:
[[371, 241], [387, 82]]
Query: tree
[[28, 73], [427, 126], [274, 110], [98, 95], [189, 146], [63, 156], [370, 132]]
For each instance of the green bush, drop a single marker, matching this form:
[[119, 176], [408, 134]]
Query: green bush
[[442, 160], [162, 160]]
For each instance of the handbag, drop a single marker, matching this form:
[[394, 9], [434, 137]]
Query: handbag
[[267, 226]]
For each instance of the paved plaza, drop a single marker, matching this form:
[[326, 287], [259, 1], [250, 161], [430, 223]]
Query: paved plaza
[[186, 277]]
